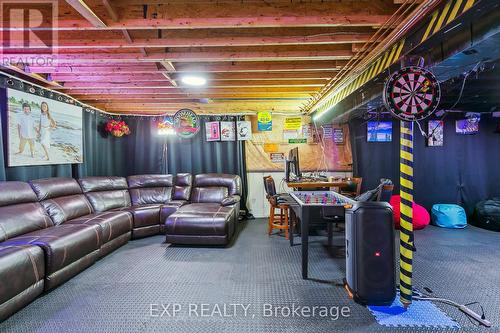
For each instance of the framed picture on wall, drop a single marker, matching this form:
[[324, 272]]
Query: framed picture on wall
[[435, 132], [212, 131], [43, 131], [227, 131], [244, 130]]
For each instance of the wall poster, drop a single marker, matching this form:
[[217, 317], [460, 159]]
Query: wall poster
[[212, 131], [244, 130], [227, 131], [43, 131]]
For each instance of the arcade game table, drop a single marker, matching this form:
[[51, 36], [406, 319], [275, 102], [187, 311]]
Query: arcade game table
[[303, 203], [315, 184]]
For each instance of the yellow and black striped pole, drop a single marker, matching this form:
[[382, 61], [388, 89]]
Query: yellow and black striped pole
[[406, 231]]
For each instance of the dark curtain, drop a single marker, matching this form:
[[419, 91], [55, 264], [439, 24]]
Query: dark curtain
[[196, 155], [463, 171], [105, 155]]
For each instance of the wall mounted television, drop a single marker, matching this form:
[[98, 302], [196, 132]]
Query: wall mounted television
[[379, 131], [467, 126]]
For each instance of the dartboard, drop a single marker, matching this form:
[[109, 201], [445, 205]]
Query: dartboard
[[412, 93]]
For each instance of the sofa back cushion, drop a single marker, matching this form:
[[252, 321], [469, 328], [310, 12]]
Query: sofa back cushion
[[150, 189], [232, 182], [213, 194], [106, 193], [214, 187], [20, 211], [62, 198], [182, 188]]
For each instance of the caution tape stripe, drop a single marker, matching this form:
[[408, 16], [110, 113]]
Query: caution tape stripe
[[407, 162], [405, 136], [441, 17], [407, 287], [406, 183], [381, 64], [406, 156], [405, 261], [406, 219]]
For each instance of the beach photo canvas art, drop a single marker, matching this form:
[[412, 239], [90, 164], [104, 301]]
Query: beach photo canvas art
[[43, 131]]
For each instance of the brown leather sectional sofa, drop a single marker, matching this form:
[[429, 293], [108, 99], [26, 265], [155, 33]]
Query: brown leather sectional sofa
[[52, 229]]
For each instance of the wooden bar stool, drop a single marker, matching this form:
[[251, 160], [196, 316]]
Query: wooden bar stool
[[278, 210]]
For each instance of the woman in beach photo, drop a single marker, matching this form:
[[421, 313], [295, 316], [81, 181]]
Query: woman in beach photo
[[47, 124]]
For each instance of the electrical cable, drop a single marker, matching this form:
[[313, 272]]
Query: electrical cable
[[481, 319]]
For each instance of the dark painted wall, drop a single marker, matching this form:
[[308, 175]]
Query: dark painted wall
[[464, 171]]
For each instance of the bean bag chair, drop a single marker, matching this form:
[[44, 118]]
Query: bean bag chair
[[487, 214], [421, 217], [449, 216]]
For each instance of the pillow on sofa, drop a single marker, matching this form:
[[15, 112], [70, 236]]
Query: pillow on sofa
[[421, 217]]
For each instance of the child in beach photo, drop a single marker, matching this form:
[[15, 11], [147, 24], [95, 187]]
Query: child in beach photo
[[26, 130], [46, 125]]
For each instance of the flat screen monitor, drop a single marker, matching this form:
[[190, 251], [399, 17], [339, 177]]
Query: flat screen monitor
[[467, 126], [379, 131], [293, 157]]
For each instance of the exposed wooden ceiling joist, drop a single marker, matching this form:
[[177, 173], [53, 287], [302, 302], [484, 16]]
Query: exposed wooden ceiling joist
[[131, 55], [197, 56], [236, 14], [84, 10], [153, 77], [235, 41], [237, 67]]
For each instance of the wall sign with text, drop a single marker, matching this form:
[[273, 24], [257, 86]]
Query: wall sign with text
[[277, 157], [338, 136], [264, 121], [186, 123]]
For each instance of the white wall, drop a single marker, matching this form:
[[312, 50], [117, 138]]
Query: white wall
[[257, 203]]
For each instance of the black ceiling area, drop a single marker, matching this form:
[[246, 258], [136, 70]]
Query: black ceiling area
[[480, 90]]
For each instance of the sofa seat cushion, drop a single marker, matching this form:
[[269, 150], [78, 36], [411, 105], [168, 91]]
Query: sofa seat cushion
[[113, 224], [21, 267], [145, 215], [62, 244], [197, 224], [200, 220]]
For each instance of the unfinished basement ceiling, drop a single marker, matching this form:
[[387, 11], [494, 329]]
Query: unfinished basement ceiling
[[129, 56]]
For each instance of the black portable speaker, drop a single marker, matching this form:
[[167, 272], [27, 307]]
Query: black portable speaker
[[370, 253]]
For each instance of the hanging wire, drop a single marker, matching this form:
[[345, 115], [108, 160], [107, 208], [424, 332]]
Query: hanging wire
[[462, 88]]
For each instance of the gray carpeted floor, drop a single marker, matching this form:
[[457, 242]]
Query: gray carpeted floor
[[124, 291]]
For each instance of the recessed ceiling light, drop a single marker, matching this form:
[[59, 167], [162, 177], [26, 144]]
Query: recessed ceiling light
[[191, 80]]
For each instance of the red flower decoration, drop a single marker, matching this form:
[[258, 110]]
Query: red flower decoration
[[117, 128]]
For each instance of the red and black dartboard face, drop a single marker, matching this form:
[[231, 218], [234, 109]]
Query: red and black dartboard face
[[412, 93]]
